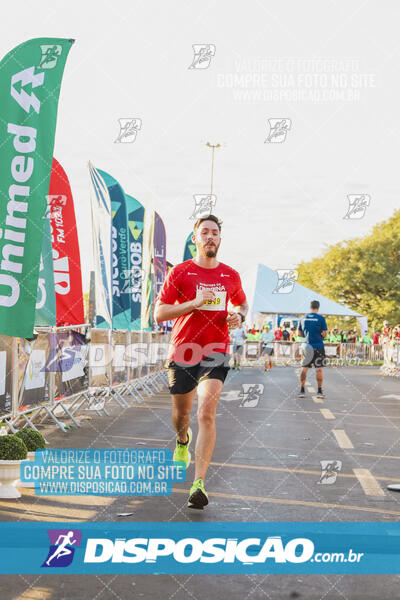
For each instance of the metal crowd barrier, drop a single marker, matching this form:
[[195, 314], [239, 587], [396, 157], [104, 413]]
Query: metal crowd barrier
[[63, 371], [338, 354], [284, 353], [362, 353], [66, 370]]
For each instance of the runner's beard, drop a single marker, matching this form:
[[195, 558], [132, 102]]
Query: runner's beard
[[211, 251]]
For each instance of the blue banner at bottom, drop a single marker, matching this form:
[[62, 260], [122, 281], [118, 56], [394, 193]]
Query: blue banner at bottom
[[240, 548]]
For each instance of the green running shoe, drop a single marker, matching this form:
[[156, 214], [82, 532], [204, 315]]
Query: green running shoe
[[181, 453], [198, 497]]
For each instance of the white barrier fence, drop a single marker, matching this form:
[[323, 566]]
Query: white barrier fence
[[291, 353], [62, 371]]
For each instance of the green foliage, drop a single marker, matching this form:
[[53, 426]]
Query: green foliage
[[32, 439], [363, 273], [12, 448], [342, 323]]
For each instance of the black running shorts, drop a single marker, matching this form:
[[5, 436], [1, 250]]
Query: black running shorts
[[316, 358], [184, 378], [267, 351]]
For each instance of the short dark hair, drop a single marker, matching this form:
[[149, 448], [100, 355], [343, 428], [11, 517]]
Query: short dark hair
[[314, 304], [209, 218]]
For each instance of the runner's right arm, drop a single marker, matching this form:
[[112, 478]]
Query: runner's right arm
[[324, 328]]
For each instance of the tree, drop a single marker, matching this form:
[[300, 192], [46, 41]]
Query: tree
[[363, 273]]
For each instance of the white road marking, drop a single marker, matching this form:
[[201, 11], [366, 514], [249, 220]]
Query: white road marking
[[368, 482], [342, 438], [327, 413]]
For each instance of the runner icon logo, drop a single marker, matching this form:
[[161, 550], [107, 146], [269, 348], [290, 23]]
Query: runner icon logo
[[250, 394], [50, 54], [203, 205], [357, 206], [128, 129], [203, 54], [286, 280], [278, 129], [329, 471], [61, 551], [132, 280]]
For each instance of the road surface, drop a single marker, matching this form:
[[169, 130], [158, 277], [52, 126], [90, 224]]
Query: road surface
[[266, 467]]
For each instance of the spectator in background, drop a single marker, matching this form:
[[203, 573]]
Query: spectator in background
[[385, 332], [334, 337], [278, 335], [293, 335], [285, 335], [376, 337], [253, 334], [351, 337], [366, 339]]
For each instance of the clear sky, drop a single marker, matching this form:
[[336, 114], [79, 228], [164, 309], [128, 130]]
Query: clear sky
[[330, 67]]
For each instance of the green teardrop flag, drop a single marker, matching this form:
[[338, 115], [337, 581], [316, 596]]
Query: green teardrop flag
[[30, 80]]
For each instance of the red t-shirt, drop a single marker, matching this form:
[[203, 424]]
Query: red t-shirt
[[278, 334], [203, 331]]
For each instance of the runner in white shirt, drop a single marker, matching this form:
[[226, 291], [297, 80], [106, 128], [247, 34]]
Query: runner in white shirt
[[267, 338], [238, 336]]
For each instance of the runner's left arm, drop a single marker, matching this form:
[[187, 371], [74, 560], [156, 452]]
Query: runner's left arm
[[234, 319], [239, 302]]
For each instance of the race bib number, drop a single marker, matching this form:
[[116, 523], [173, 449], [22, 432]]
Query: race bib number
[[219, 302]]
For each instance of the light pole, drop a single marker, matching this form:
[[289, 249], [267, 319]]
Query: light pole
[[213, 146]]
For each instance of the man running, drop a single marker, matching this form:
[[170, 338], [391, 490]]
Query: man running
[[62, 550], [196, 294], [267, 339], [238, 336], [312, 327]]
